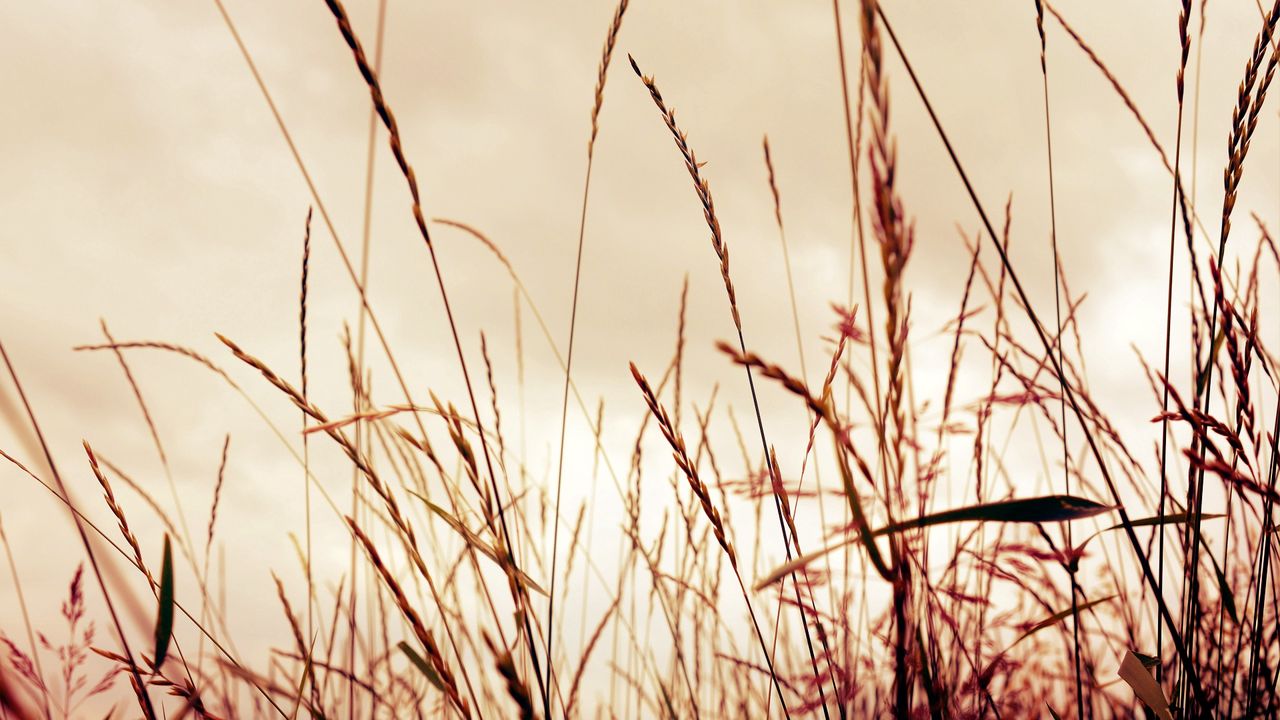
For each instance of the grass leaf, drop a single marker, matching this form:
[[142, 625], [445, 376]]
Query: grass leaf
[[1050, 508], [164, 615], [1136, 674], [421, 664], [475, 542], [1168, 519], [1058, 617]]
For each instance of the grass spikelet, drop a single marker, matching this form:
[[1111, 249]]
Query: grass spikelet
[[700, 186], [686, 465], [121, 520], [681, 455], [420, 630]]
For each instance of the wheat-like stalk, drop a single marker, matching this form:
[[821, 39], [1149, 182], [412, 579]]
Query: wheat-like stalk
[[420, 630], [610, 41], [690, 470], [121, 520], [700, 186], [681, 454]]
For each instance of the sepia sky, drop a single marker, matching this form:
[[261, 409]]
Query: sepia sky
[[143, 181]]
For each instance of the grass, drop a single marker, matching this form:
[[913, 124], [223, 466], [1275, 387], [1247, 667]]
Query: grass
[[933, 579]]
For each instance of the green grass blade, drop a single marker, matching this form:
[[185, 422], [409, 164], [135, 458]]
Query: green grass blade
[[1050, 508], [164, 615], [421, 664]]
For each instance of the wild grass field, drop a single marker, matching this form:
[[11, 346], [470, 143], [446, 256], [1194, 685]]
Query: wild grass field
[[919, 366]]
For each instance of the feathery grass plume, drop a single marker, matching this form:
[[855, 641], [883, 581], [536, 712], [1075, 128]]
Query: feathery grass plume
[[610, 41], [895, 235], [453, 422], [1244, 119], [780, 490], [575, 545], [853, 141], [678, 360], [217, 495], [208, 542], [493, 405], [165, 346], [73, 688], [681, 455]]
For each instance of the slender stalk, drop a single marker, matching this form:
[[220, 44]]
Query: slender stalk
[[1185, 38], [1057, 311], [610, 41]]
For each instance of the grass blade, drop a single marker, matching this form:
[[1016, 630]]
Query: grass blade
[[480, 545], [1050, 508], [1133, 672], [1058, 617], [164, 615], [421, 664]]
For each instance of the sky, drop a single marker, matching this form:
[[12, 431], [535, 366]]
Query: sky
[[145, 184]]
